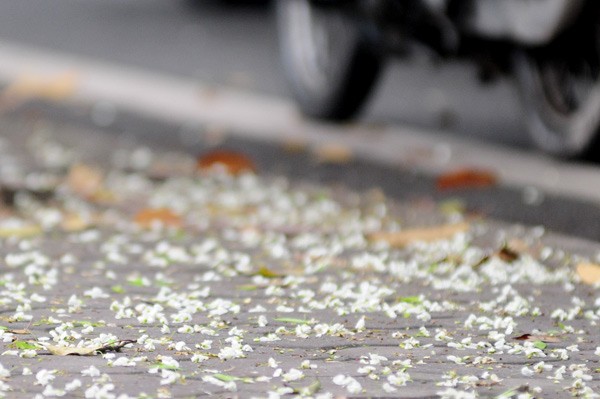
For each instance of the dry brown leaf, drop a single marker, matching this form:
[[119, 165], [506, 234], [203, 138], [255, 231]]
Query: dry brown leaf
[[428, 234], [507, 254], [333, 153], [84, 180], [466, 178], [538, 337], [589, 273], [233, 162], [150, 216], [23, 331]]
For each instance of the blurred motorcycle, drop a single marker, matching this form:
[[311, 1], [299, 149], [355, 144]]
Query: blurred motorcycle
[[333, 52]]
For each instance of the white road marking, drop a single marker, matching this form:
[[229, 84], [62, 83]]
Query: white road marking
[[276, 119]]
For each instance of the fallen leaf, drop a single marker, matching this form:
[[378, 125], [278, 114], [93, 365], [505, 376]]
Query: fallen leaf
[[67, 350], [225, 377], [85, 181], [466, 178], [292, 320], [23, 345], [55, 87], [228, 378], [23, 231], [86, 351], [589, 273], [413, 300], [540, 345], [247, 287], [405, 237], [73, 222], [333, 153], [233, 162], [309, 390], [19, 331], [117, 289], [267, 273], [538, 338], [507, 254], [148, 217]]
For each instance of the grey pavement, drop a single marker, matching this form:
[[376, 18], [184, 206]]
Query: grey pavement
[[269, 285]]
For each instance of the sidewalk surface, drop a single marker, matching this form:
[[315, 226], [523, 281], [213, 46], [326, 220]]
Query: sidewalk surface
[[127, 272]]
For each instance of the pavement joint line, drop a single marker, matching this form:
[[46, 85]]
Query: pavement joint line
[[253, 115]]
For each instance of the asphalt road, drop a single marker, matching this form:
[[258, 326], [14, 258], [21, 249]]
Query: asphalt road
[[257, 287], [236, 45]]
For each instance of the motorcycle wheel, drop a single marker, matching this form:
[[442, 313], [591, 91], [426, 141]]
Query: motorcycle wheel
[[562, 101], [327, 60]]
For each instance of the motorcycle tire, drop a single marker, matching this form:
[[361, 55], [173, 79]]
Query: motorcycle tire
[[329, 65], [560, 122]]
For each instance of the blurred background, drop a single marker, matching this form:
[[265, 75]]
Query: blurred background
[[179, 68], [234, 44]]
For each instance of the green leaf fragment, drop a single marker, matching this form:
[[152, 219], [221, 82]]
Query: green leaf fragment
[[165, 366], [413, 300], [247, 287], [23, 345], [228, 378], [225, 377], [118, 289], [292, 320], [45, 321], [507, 394], [310, 389], [540, 345], [136, 282], [87, 323]]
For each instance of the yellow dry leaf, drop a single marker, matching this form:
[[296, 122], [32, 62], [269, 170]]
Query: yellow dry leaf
[[333, 153], [428, 234], [85, 180], [55, 87], [589, 273], [25, 231], [267, 273]]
